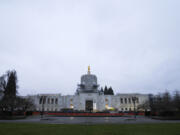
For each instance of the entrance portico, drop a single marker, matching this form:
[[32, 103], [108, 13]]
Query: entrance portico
[[89, 105]]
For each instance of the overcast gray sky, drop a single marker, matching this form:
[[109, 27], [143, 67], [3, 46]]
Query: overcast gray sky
[[131, 45]]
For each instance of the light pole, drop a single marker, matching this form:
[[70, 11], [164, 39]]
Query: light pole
[[134, 99]]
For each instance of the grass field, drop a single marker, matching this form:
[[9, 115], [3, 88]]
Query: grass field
[[121, 129]]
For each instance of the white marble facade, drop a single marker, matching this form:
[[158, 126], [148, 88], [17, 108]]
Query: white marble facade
[[88, 97]]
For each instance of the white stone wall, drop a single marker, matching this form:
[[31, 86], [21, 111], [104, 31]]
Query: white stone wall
[[120, 102], [53, 102], [126, 103]]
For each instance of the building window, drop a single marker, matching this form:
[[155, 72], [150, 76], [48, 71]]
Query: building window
[[56, 101], [44, 100], [52, 101], [137, 100], [48, 101], [125, 100], [129, 109], [129, 100], [126, 109], [106, 100], [121, 100], [122, 109], [40, 101]]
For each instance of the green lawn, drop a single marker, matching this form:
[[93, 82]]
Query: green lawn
[[121, 129]]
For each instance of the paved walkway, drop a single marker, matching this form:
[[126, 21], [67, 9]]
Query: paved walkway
[[88, 120]]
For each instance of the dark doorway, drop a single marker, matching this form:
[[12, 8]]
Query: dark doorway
[[89, 105]]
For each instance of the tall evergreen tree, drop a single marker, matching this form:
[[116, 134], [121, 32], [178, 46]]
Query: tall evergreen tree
[[105, 90], [10, 101], [11, 86], [110, 91], [102, 90]]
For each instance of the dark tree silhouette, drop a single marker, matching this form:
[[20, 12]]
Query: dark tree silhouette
[[9, 87], [10, 101], [176, 101], [105, 90], [134, 100], [164, 104], [110, 91], [102, 90]]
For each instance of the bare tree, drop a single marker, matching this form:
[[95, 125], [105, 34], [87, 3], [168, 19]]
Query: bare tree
[[176, 101], [43, 100], [144, 106], [165, 104], [134, 99]]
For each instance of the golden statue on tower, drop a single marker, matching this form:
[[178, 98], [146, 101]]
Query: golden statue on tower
[[89, 70]]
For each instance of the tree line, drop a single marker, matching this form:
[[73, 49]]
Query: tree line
[[10, 102], [163, 104], [107, 91]]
